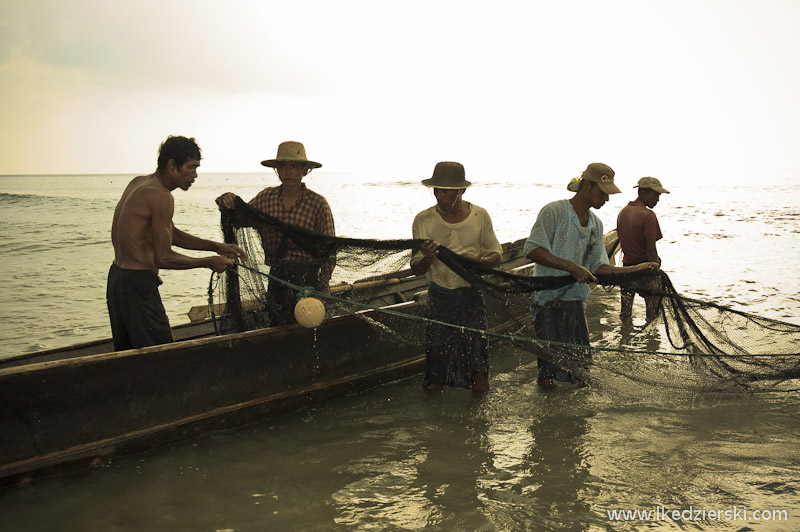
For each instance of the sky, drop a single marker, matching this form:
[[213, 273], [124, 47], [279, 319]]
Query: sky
[[682, 90]]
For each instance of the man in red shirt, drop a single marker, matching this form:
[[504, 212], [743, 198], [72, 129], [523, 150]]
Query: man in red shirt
[[638, 231]]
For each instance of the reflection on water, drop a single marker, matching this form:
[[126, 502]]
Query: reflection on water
[[396, 458], [540, 469]]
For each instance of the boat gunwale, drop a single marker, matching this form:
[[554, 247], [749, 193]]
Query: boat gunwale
[[78, 360]]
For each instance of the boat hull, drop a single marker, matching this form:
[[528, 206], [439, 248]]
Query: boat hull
[[89, 409], [78, 407]]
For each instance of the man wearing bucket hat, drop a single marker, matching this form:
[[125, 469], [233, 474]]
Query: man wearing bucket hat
[[639, 231], [454, 358], [568, 237], [294, 204]]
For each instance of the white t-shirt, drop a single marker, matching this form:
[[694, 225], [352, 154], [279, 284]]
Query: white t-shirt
[[474, 236]]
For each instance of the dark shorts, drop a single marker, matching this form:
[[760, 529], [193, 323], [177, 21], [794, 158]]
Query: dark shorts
[[138, 318], [453, 357], [563, 322]]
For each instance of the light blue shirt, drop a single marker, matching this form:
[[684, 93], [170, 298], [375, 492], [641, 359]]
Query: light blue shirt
[[558, 231]]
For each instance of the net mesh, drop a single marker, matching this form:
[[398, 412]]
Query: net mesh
[[690, 345]]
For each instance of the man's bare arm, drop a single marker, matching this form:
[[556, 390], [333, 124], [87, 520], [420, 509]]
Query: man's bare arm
[[184, 240], [491, 260], [162, 208], [228, 200], [652, 253], [429, 249], [581, 274], [545, 258], [607, 268]]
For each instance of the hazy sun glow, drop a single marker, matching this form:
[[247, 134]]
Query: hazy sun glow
[[531, 88]]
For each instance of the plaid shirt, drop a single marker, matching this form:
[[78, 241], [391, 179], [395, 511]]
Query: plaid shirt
[[311, 211]]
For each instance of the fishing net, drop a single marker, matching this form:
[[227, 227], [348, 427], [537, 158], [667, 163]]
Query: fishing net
[[691, 344]]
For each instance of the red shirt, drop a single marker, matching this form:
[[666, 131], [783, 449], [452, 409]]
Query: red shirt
[[635, 225], [311, 211]]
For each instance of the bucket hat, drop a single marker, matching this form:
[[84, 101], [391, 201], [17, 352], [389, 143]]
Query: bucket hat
[[651, 183], [447, 175], [603, 175], [290, 152]]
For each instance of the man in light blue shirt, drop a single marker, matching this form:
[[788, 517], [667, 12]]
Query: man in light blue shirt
[[568, 237]]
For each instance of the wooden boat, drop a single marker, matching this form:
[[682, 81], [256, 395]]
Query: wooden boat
[[74, 408]]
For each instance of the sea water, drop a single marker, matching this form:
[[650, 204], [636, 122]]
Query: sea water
[[394, 458]]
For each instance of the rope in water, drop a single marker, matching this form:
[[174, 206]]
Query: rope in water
[[308, 291]]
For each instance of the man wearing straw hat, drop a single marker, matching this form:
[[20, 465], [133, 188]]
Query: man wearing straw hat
[[294, 204], [639, 231], [568, 237], [454, 358]]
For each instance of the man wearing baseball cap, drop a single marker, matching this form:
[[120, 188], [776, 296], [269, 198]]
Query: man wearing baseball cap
[[639, 231], [568, 237]]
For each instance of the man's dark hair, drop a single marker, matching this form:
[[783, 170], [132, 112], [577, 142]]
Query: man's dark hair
[[180, 149]]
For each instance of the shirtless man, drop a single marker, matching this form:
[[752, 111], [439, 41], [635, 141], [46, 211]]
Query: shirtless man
[[143, 235]]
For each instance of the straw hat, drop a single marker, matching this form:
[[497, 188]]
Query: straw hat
[[651, 183], [603, 175], [447, 175], [290, 152]]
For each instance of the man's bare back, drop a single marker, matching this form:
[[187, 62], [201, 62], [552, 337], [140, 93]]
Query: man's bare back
[[131, 230], [142, 231], [143, 236]]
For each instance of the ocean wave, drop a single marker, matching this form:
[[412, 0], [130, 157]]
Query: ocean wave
[[10, 198], [55, 244], [6, 197]]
